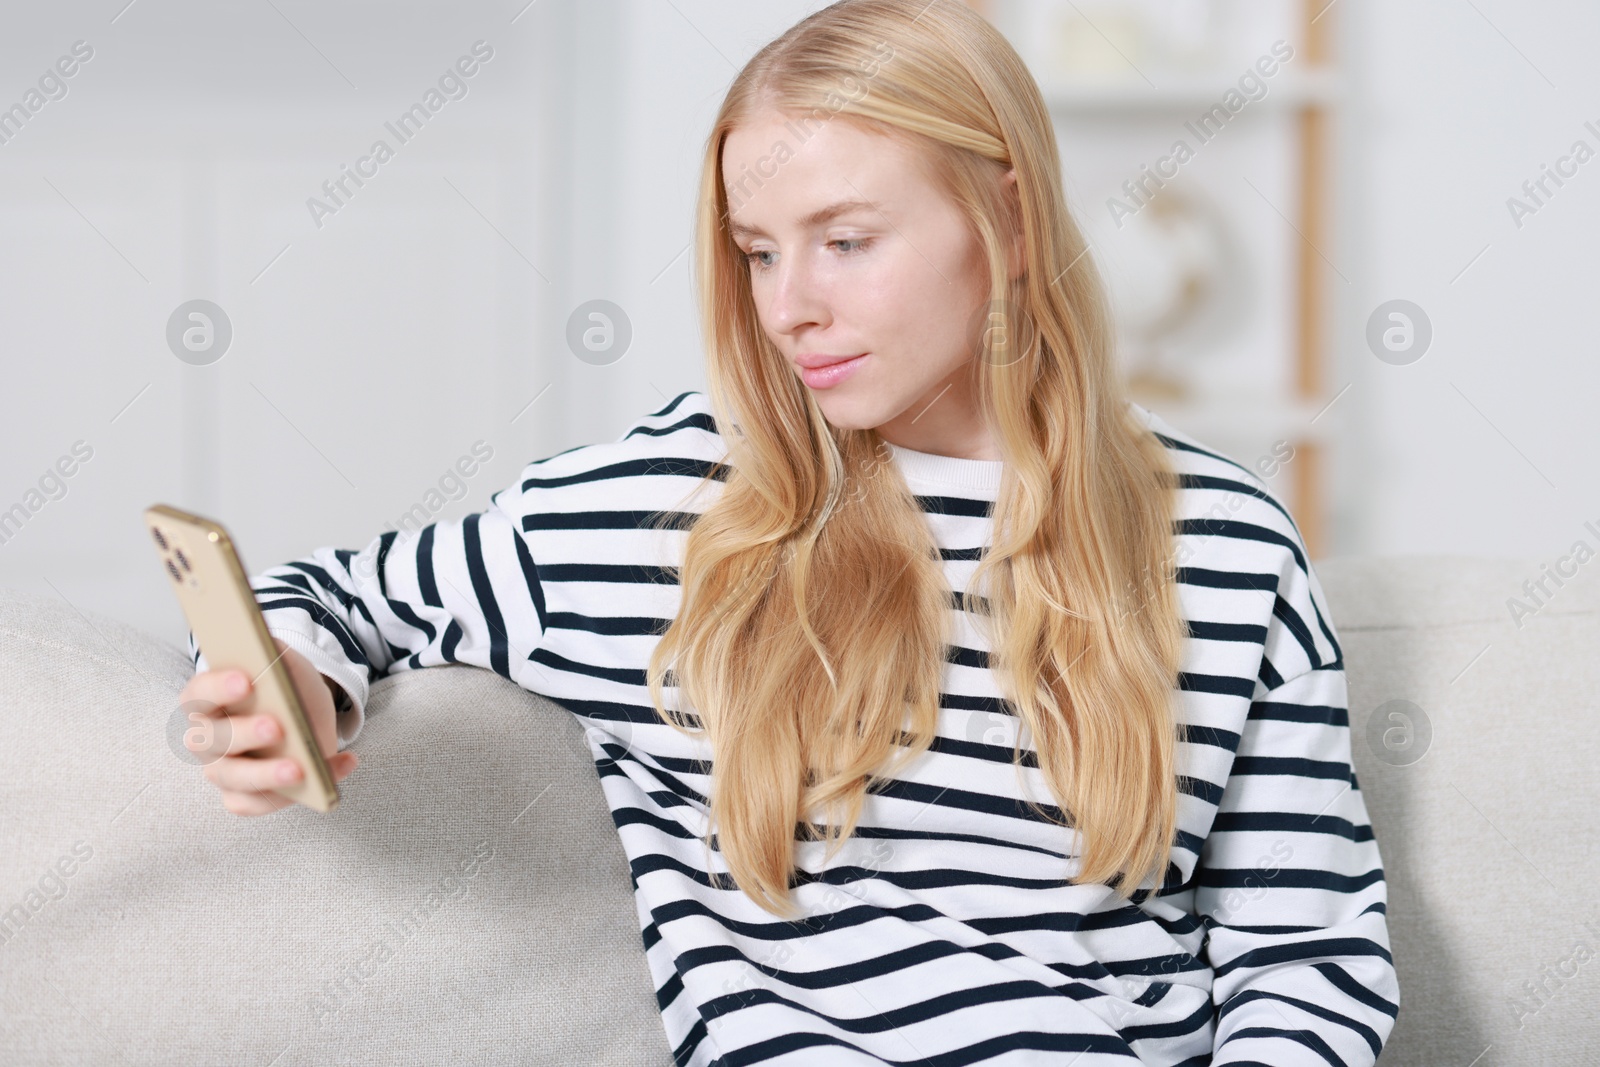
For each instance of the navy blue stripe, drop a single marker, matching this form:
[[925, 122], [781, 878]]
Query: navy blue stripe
[[530, 581], [499, 658], [425, 583], [325, 619]]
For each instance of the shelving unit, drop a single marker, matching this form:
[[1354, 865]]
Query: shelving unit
[[1309, 91]]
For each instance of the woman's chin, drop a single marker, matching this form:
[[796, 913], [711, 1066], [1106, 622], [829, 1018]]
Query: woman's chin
[[845, 414]]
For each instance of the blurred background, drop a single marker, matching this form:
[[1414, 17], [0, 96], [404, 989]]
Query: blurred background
[[1364, 275]]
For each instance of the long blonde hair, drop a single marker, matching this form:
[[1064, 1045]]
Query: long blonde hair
[[812, 629]]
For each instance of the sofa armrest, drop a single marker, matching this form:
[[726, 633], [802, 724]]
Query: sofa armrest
[[467, 901]]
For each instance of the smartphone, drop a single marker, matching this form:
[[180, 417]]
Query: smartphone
[[213, 588]]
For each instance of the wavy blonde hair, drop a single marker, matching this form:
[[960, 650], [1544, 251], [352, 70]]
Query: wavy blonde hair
[[812, 630]]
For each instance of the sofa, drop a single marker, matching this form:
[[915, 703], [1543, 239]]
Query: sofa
[[469, 900]]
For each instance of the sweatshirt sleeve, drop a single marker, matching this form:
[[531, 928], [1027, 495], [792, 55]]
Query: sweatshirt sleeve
[[1290, 883], [461, 591]]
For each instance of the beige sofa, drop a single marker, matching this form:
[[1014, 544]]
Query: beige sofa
[[469, 900]]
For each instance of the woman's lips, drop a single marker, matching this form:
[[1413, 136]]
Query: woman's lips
[[834, 373]]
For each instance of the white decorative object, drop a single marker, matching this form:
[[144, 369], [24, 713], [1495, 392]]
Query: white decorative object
[[1176, 278]]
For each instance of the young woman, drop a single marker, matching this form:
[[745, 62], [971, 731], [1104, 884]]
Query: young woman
[[951, 707]]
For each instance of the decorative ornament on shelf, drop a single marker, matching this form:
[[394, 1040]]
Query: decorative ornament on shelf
[[1177, 283], [1108, 41]]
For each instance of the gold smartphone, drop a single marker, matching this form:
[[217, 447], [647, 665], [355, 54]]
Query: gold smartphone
[[214, 591]]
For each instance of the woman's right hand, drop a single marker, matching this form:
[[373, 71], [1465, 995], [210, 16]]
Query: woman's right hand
[[230, 747]]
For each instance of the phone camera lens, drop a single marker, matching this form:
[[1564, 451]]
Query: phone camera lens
[[184, 560], [162, 541], [174, 572]]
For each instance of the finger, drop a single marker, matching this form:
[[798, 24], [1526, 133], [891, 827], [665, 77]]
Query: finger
[[217, 688], [250, 802], [241, 803], [214, 734], [342, 765], [249, 774]]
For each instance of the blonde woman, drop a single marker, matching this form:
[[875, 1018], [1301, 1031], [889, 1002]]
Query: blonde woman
[[951, 708]]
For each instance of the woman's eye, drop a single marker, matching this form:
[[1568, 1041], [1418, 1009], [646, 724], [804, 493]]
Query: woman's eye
[[858, 243]]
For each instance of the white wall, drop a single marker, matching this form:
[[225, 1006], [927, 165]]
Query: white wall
[[431, 308], [1486, 444], [420, 318]]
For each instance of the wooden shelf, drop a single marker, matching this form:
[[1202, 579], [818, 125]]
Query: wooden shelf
[[1190, 95], [1248, 415]]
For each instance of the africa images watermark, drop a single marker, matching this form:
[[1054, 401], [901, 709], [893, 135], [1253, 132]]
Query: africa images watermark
[[1566, 168], [52, 85], [52, 486], [339, 991], [451, 487], [452, 85], [781, 151], [1529, 997], [1538, 591], [1252, 86], [50, 886]]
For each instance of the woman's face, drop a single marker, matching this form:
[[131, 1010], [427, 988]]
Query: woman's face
[[894, 276]]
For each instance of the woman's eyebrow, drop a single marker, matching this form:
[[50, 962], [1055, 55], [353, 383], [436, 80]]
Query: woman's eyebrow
[[816, 218]]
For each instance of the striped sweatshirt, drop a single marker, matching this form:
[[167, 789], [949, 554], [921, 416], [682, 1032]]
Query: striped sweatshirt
[[949, 929]]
